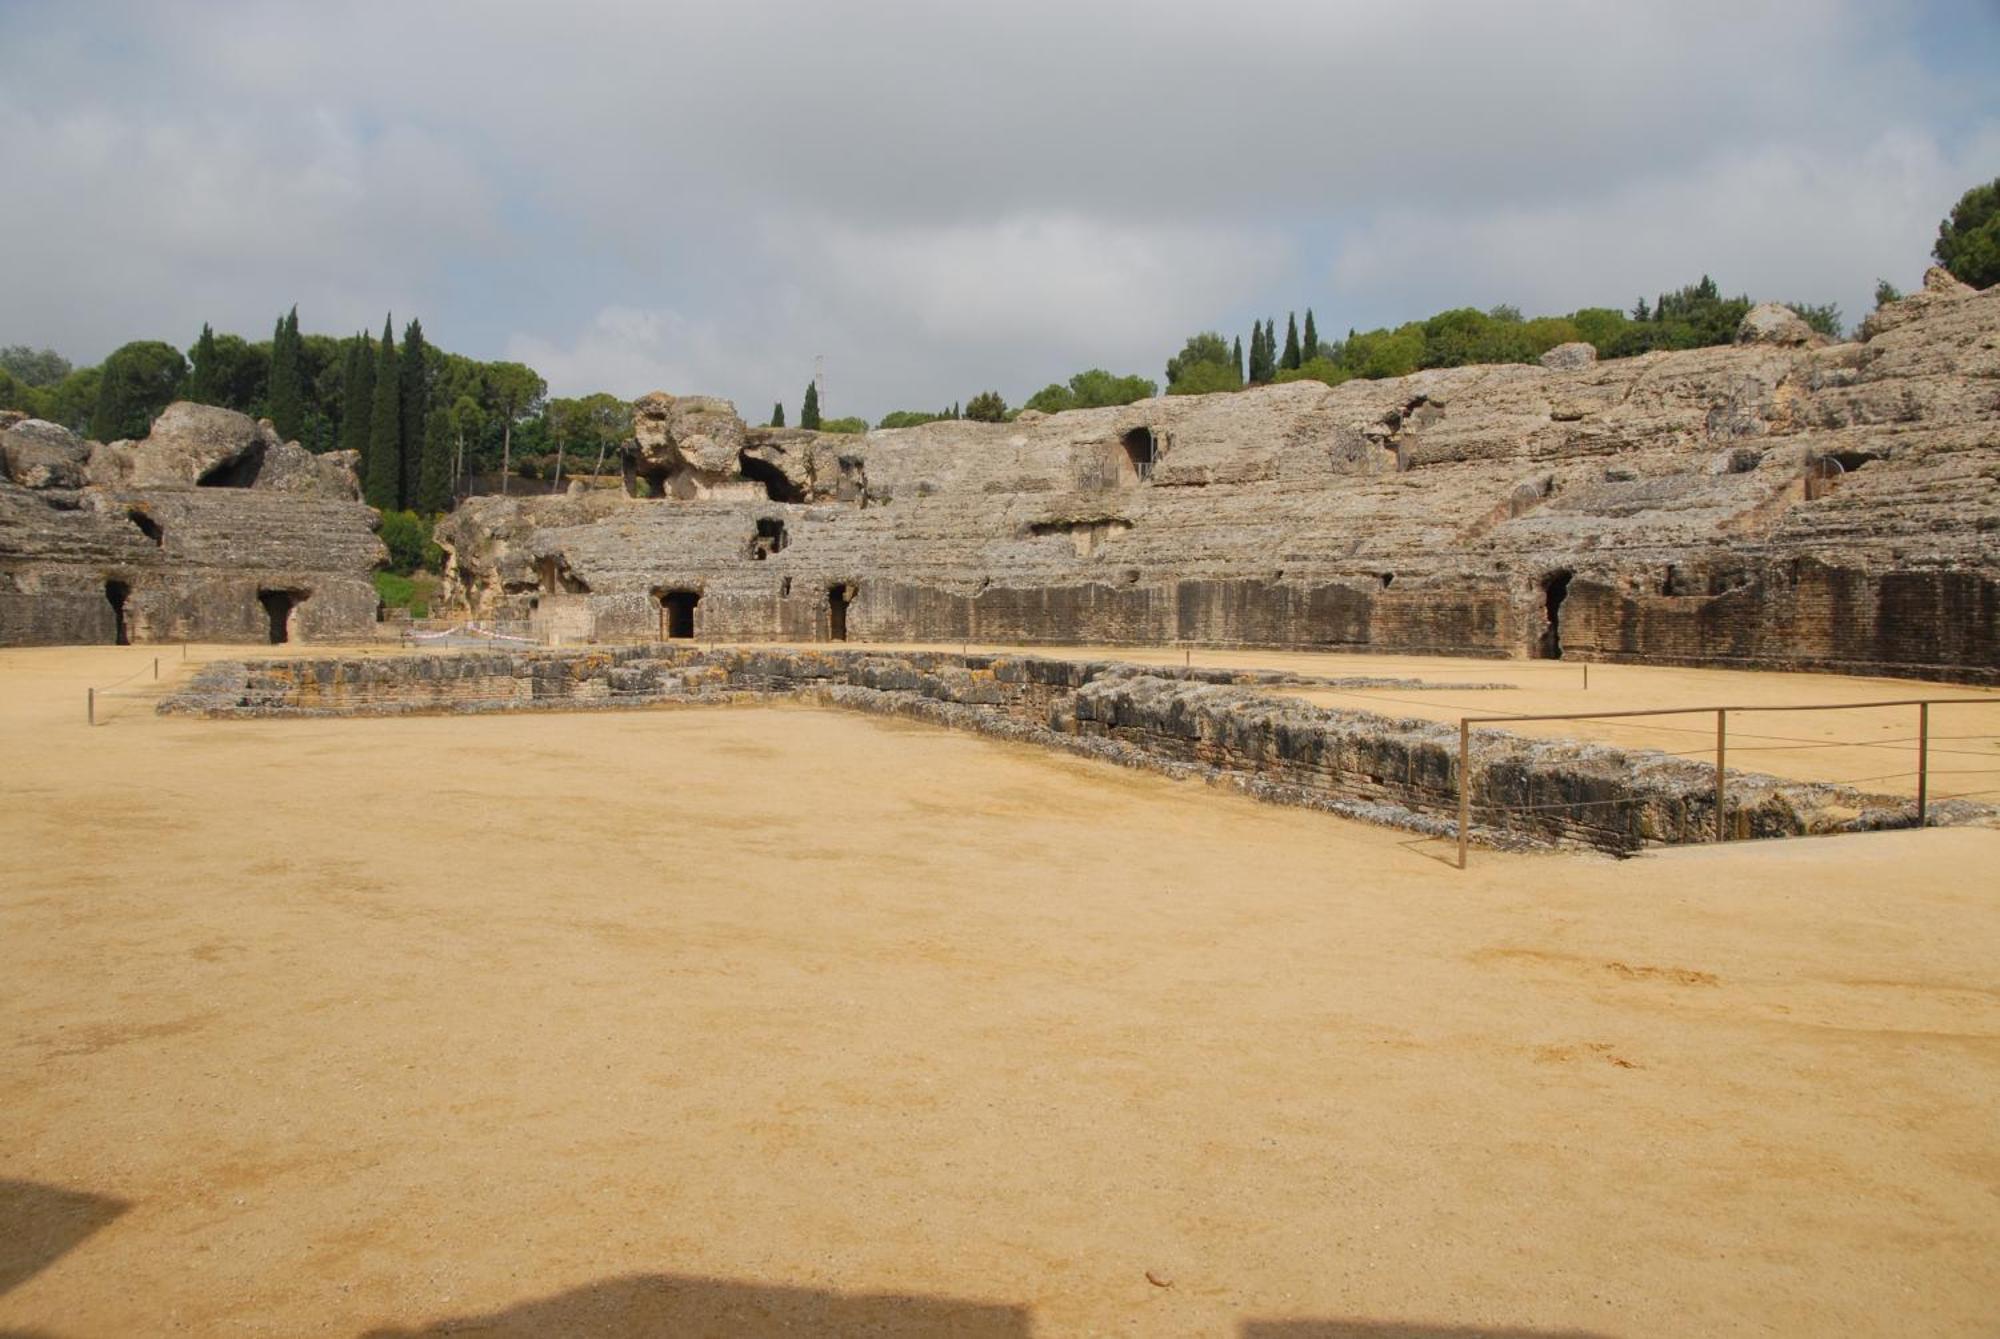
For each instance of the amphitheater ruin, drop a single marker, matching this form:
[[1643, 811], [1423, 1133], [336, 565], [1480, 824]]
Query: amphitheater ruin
[[1782, 504], [628, 950]]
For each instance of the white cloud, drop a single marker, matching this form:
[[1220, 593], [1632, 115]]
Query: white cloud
[[943, 198], [1068, 281], [629, 351], [1781, 222], [1029, 298], [120, 226]]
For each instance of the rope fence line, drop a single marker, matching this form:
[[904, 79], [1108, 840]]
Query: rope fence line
[[1922, 772], [91, 695]]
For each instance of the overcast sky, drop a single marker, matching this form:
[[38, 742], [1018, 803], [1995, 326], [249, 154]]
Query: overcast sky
[[941, 197]]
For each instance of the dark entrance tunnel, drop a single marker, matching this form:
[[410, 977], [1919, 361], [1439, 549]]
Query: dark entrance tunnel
[[278, 606], [770, 538], [240, 472], [1141, 450], [1555, 589], [116, 593], [776, 486], [677, 612], [838, 598]]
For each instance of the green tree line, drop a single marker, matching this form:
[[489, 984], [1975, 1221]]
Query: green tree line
[[421, 420]]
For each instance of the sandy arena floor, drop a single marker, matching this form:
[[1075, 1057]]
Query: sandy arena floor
[[781, 1021]]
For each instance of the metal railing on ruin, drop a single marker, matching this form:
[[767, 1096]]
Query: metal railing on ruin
[[1923, 744]]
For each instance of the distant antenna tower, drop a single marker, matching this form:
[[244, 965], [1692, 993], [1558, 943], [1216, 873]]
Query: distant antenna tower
[[819, 378]]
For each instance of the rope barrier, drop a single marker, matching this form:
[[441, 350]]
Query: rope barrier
[[90, 695]]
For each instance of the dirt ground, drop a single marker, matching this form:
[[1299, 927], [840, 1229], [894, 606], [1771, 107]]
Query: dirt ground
[[722, 1021]]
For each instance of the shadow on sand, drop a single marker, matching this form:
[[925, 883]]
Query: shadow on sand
[[40, 1224], [1389, 1329], [681, 1305]]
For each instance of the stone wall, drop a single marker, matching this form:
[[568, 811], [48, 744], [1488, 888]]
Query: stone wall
[[210, 529], [1778, 504], [1222, 726]]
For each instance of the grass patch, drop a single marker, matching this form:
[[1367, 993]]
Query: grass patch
[[413, 593]]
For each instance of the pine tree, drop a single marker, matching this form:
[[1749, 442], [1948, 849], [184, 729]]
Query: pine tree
[[201, 387], [357, 402], [1309, 346], [1291, 358], [778, 414], [809, 415], [415, 413], [1236, 352], [287, 405], [433, 493], [385, 426], [1263, 351]]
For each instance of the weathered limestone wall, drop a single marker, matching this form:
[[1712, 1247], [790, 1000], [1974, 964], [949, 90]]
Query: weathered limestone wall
[[211, 529], [1776, 503], [1222, 726]]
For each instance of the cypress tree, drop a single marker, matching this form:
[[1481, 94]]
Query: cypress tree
[[1291, 358], [809, 415], [416, 410], [1236, 352], [201, 387], [1309, 349], [287, 406], [385, 427], [357, 401], [433, 493], [778, 414]]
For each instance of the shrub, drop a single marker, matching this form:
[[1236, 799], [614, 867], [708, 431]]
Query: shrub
[[407, 536], [413, 593], [1314, 369], [1968, 241], [909, 418], [986, 407], [1205, 378], [848, 425]]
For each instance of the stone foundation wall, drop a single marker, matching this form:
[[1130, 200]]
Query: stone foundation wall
[[1225, 727]]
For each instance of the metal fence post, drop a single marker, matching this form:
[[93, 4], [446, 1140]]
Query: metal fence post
[[1464, 785], [1721, 762], [1923, 762]]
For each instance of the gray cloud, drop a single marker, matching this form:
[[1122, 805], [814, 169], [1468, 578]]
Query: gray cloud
[[942, 197]]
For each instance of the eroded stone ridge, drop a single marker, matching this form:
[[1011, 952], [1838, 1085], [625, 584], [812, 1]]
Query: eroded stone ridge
[[1222, 726], [1779, 503], [212, 528]]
